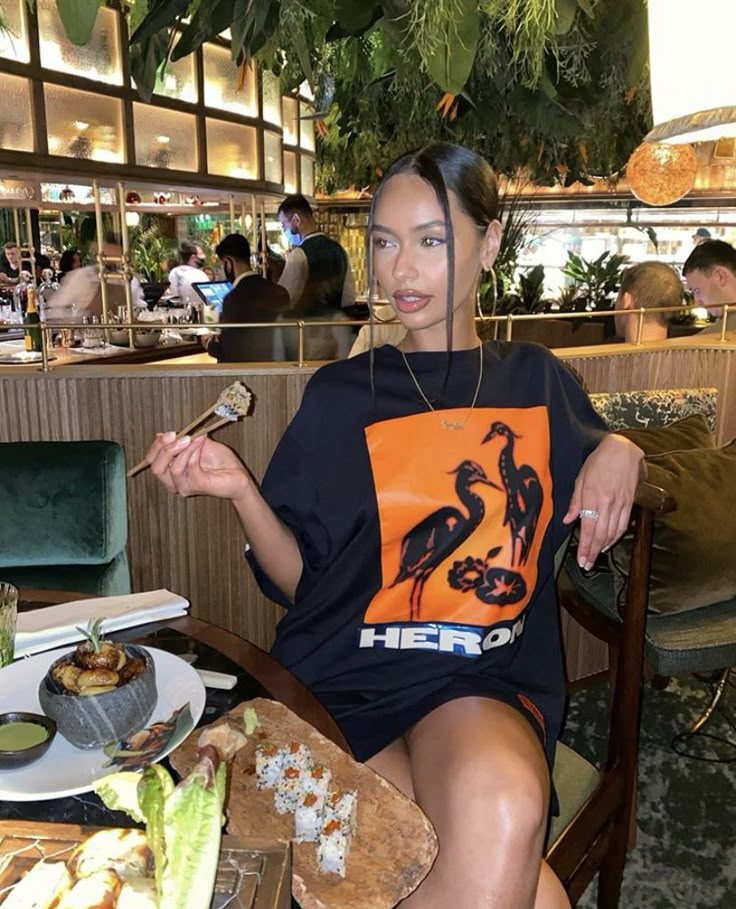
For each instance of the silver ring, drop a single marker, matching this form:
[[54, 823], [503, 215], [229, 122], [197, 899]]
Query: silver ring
[[589, 513]]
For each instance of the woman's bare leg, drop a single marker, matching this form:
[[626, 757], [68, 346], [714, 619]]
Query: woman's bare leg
[[481, 776], [392, 763]]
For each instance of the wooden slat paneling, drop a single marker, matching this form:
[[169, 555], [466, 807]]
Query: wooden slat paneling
[[195, 546]]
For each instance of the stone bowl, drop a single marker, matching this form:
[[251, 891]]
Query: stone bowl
[[93, 720], [12, 758]]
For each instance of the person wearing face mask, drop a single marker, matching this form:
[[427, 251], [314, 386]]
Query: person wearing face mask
[[319, 280], [252, 299], [188, 272]]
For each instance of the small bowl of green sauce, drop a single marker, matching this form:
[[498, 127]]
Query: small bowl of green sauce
[[24, 737]]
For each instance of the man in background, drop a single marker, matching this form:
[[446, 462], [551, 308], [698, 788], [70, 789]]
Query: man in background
[[11, 265], [710, 273], [647, 285], [701, 235], [318, 279], [252, 299], [188, 272], [80, 294]]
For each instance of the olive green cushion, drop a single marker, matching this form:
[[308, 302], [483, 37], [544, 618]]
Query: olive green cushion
[[107, 580], [574, 780], [693, 562], [690, 432], [64, 503]]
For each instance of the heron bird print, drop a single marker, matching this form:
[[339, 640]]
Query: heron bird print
[[438, 535], [524, 495]]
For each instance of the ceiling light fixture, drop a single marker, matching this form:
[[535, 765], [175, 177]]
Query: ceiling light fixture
[[689, 105]]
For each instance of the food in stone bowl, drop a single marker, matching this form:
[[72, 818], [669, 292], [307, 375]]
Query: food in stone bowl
[[101, 692]]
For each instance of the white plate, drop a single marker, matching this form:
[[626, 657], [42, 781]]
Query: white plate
[[66, 770]]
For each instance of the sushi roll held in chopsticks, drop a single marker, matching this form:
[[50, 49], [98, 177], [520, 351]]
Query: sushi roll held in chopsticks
[[269, 762], [332, 848], [308, 818]]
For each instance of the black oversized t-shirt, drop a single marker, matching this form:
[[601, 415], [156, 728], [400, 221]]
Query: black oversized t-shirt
[[428, 551]]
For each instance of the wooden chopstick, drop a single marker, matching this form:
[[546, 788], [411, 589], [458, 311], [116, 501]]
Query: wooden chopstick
[[141, 465]]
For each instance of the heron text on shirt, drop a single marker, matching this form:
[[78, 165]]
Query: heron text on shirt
[[459, 640]]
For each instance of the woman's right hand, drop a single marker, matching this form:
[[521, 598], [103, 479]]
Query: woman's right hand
[[197, 467]]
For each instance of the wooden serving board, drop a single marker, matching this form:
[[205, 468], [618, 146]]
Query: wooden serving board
[[394, 846], [252, 874]]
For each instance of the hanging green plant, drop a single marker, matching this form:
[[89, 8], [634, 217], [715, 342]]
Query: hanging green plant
[[557, 88]]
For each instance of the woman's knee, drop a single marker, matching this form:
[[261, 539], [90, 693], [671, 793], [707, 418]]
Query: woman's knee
[[515, 799]]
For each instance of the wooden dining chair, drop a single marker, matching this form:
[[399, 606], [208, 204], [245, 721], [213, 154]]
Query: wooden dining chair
[[591, 833]]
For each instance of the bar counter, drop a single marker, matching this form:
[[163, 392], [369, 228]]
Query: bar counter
[[195, 546]]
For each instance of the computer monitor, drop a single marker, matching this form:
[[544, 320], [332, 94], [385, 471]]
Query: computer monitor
[[213, 292]]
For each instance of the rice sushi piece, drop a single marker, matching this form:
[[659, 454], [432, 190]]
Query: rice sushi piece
[[308, 818], [269, 761], [332, 848], [318, 780], [289, 790], [297, 755], [342, 806]]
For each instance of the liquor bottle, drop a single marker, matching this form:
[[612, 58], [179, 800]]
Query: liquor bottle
[[31, 320]]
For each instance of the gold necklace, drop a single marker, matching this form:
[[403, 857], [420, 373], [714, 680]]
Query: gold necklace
[[448, 424]]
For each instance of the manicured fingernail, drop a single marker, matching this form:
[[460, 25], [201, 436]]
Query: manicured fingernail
[[182, 443], [588, 566], [168, 437], [581, 561], [605, 549]]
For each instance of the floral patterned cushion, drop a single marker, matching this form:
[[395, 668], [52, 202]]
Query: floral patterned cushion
[[650, 408]]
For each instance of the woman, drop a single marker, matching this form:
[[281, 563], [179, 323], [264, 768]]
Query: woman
[[409, 519], [70, 260]]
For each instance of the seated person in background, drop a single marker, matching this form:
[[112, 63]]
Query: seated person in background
[[319, 280], [252, 299], [43, 263], [647, 286], [710, 273], [188, 272], [386, 330], [70, 260], [701, 235], [80, 295], [10, 265]]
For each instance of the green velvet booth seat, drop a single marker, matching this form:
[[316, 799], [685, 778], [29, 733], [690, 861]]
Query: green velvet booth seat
[[64, 516]]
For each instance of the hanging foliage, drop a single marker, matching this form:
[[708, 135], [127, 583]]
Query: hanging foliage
[[557, 88]]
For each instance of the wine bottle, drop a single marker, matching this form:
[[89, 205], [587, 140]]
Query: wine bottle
[[31, 320]]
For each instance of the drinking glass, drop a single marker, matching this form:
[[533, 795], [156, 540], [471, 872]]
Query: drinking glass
[[8, 618]]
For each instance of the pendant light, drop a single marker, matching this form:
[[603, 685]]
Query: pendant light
[[691, 63]]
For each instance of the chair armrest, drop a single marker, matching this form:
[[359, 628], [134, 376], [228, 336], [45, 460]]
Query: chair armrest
[[654, 498]]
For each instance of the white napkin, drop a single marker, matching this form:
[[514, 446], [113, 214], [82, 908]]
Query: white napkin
[[42, 629]]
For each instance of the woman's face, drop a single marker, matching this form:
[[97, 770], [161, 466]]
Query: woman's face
[[410, 254]]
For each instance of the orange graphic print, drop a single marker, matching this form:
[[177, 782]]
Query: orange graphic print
[[462, 517]]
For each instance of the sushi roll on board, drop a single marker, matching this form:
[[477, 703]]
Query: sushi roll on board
[[269, 761], [297, 755], [342, 806], [318, 780], [308, 818], [289, 790], [332, 848]]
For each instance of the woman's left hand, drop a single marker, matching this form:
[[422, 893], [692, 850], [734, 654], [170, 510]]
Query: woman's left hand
[[605, 487]]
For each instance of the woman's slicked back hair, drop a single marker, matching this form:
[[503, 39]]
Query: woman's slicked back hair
[[447, 168]]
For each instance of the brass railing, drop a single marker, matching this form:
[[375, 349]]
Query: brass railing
[[501, 322]]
